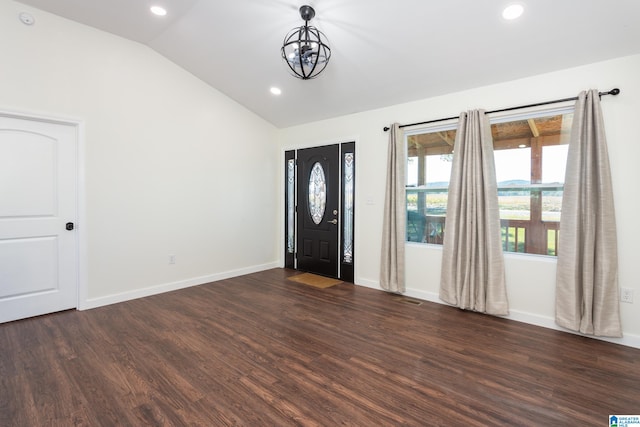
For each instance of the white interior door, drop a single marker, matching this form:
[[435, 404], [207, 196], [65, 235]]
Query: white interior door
[[38, 255]]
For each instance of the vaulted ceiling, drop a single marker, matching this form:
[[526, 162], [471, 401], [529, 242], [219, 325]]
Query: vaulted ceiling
[[384, 52]]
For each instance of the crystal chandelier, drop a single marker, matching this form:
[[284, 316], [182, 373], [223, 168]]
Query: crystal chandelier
[[305, 49]]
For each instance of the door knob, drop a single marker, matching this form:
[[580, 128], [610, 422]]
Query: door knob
[[69, 226]]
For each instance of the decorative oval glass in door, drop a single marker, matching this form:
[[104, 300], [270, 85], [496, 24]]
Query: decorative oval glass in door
[[317, 193]]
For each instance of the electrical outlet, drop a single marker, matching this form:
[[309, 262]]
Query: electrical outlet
[[172, 259], [626, 295]]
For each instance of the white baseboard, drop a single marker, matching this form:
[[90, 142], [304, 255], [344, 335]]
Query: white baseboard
[[173, 286], [413, 293], [368, 283], [629, 340]]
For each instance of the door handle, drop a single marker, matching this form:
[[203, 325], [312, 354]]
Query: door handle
[[69, 226], [333, 221]]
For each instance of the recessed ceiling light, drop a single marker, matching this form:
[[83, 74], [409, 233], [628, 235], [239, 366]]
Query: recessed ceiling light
[[275, 90], [26, 18], [158, 10], [513, 11]]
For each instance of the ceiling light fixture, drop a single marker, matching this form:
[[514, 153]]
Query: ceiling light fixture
[[305, 49], [158, 10], [512, 12], [26, 18], [275, 90]]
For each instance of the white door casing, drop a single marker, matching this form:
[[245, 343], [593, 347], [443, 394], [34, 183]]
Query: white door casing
[[38, 197]]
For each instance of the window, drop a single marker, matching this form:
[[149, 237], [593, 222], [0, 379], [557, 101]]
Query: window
[[429, 161], [530, 154]]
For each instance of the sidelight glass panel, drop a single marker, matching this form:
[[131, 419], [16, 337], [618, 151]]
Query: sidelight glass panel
[[317, 193], [291, 165], [348, 208]]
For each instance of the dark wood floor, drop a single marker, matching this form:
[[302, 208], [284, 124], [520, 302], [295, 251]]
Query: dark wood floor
[[260, 350]]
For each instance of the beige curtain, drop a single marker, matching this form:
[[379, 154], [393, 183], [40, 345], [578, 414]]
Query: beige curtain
[[587, 276], [472, 274], [394, 225]]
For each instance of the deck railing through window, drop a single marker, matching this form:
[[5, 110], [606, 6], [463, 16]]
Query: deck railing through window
[[426, 217], [517, 235]]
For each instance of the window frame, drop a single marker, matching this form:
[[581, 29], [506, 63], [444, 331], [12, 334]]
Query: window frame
[[497, 118]]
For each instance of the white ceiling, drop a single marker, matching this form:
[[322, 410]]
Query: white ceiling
[[384, 52]]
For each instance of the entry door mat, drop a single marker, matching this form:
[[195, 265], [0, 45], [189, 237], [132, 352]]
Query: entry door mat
[[314, 280]]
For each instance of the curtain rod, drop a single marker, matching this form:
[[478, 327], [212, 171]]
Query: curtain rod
[[614, 91]]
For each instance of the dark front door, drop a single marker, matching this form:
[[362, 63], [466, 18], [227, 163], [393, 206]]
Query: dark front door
[[318, 195]]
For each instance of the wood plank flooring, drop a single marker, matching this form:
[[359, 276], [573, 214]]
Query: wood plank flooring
[[260, 350]]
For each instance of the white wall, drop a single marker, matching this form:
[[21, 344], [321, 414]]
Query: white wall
[[172, 166], [530, 279]]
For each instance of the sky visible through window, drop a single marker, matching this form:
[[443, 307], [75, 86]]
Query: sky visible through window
[[511, 165]]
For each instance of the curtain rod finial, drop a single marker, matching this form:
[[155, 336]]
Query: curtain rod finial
[[614, 91], [386, 128]]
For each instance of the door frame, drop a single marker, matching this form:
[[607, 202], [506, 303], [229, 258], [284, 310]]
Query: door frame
[[289, 259], [82, 292]]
